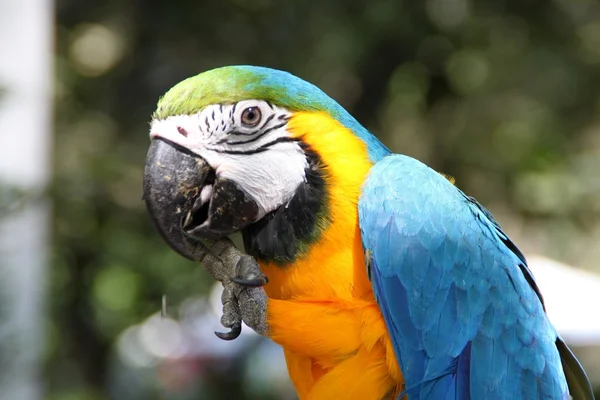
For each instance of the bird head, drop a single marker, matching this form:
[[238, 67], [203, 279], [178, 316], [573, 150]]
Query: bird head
[[229, 152]]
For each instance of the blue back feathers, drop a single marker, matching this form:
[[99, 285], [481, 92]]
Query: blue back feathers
[[465, 316]]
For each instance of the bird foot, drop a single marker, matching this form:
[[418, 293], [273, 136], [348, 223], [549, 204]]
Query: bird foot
[[243, 297]]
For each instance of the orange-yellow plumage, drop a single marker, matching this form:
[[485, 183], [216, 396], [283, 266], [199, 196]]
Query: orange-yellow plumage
[[321, 308]]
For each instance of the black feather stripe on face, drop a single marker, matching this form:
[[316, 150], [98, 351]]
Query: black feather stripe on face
[[286, 233]]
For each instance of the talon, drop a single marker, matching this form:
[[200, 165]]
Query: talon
[[232, 334], [253, 282]]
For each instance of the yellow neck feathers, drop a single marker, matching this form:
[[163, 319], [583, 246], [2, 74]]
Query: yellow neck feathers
[[334, 265]]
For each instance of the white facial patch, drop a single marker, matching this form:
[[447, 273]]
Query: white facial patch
[[261, 158]]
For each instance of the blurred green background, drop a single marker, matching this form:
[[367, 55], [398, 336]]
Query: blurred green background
[[502, 94]]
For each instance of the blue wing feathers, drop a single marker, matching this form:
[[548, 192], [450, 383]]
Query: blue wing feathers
[[463, 376], [465, 316]]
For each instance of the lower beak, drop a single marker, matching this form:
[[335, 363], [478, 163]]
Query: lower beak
[[187, 202]]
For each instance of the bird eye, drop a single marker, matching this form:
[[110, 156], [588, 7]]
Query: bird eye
[[251, 116]]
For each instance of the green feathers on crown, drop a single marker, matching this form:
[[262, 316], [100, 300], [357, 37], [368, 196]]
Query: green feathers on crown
[[228, 85]]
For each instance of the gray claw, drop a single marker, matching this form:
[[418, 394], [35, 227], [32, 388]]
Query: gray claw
[[231, 317], [248, 273], [235, 331]]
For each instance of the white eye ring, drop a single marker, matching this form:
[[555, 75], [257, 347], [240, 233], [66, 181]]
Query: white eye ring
[[251, 116]]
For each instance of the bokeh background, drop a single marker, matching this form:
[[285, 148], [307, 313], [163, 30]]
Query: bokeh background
[[502, 94]]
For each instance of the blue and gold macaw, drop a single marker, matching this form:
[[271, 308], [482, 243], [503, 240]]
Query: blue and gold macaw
[[384, 279]]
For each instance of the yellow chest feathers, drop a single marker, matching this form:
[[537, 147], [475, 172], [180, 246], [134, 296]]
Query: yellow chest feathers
[[321, 308]]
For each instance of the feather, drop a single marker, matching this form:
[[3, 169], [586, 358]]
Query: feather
[[579, 385], [465, 315]]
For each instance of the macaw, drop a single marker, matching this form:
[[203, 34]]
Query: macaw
[[384, 279]]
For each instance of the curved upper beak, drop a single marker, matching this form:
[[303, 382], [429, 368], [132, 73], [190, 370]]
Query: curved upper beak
[[187, 202]]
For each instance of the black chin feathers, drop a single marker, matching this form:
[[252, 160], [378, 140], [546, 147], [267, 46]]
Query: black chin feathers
[[284, 234]]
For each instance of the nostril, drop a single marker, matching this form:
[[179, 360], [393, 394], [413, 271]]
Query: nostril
[[182, 131]]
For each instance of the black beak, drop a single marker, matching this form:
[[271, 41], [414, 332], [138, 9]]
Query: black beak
[[174, 179]]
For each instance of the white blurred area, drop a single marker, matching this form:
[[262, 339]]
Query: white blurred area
[[182, 356], [572, 297], [26, 57], [565, 289]]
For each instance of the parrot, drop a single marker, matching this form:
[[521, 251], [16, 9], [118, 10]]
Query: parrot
[[375, 273]]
